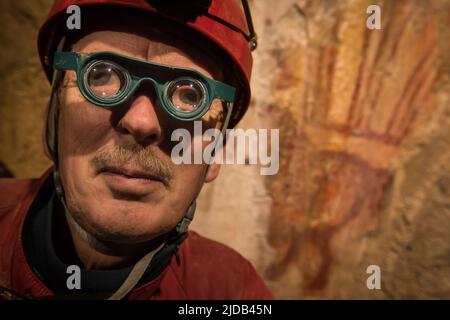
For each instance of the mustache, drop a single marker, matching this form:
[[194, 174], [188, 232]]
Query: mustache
[[136, 156]]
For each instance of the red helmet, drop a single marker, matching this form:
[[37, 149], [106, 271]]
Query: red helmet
[[221, 21]]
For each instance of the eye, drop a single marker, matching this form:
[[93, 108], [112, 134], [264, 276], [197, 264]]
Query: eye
[[186, 94], [105, 79]]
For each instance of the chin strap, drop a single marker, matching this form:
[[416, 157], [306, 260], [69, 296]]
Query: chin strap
[[135, 275], [179, 234], [183, 226]]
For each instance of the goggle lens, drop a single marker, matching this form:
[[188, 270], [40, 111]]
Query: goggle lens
[[105, 80], [186, 95]]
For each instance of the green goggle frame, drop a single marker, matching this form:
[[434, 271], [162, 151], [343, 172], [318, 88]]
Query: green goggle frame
[[184, 93]]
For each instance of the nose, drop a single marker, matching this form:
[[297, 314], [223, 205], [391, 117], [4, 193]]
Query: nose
[[141, 121]]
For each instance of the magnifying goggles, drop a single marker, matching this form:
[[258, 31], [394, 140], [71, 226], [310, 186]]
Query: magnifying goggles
[[108, 80]]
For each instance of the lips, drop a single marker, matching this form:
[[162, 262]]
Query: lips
[[132, 173]]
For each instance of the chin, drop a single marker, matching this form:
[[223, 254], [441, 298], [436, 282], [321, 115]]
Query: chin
[[123, 222]]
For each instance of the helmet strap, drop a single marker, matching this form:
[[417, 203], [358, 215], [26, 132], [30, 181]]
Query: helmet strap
[[135, 275], [183, 226]]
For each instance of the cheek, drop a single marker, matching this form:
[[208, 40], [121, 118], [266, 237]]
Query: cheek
[[186, 187], [83, 128]]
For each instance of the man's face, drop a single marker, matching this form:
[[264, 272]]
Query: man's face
[[119, 181]]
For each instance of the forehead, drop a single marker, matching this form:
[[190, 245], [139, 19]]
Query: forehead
[[153, 45]]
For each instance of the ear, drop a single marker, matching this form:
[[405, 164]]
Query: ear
[[213, 172]]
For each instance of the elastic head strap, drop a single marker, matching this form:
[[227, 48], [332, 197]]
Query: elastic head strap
[[52, 113]]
